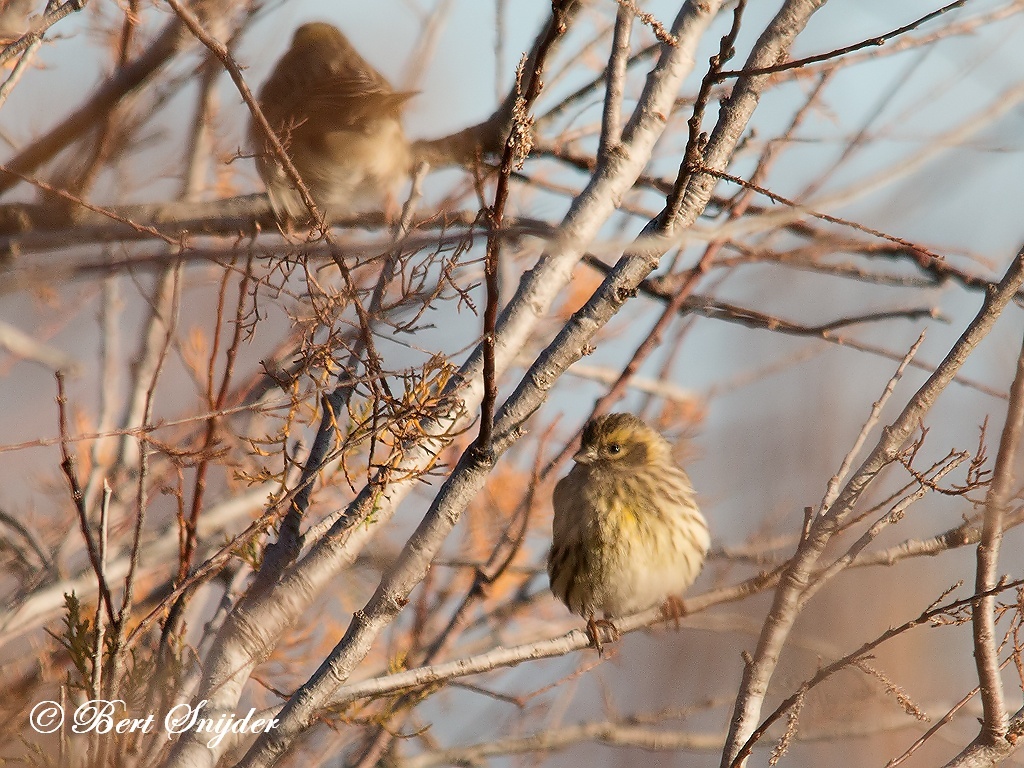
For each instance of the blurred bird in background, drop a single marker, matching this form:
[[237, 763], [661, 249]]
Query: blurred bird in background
[[339, 121], [627, 534], [16, 18]]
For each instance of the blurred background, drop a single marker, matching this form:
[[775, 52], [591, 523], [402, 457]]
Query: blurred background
[[763, 383]]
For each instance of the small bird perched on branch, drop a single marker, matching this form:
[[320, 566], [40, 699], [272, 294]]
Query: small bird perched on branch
[[339, 121], [627, 534]]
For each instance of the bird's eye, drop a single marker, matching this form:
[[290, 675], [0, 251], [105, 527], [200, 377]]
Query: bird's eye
[[614, 449]]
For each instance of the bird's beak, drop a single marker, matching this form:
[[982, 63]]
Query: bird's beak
[[585, 456]]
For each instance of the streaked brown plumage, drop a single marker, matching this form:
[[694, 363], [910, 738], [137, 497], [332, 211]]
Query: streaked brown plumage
[[627, 534], [339, 120]]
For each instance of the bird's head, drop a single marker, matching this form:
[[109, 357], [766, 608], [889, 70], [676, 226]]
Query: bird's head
[[621, 440], [318, 34]]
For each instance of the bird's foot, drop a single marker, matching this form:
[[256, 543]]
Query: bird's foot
[[674, 609], [594, 627]]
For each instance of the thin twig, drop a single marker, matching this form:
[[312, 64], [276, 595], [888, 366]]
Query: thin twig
[[696, 140], [838, 52], [983, 618], [39, 27], [785, 609], [67, 466], [827, 671], [517, 146], [832, 489], [219, 50], [942, 721]]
